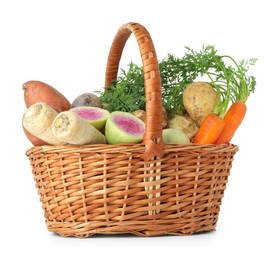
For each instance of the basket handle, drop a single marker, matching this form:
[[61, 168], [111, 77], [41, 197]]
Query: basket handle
[[152, 81]]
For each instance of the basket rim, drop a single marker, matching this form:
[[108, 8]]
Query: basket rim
[[127, 148]]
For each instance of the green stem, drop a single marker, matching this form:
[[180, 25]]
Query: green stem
[[242, 92]]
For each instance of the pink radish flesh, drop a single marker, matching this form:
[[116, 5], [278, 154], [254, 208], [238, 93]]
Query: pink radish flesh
[[129, 125], [89, 114]]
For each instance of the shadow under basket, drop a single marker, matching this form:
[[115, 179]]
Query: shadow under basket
[[144, 189]]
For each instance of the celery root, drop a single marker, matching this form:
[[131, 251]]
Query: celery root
[[184, 123]]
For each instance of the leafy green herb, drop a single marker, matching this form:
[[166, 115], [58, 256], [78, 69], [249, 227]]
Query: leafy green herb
[[127, 93], [230, 81]]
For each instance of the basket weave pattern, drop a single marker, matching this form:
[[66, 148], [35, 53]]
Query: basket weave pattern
[[144, 189]]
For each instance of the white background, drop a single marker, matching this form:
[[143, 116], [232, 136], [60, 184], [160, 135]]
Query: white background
[[66, 43]]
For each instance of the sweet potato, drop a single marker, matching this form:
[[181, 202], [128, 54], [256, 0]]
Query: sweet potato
[[37, 91], [33, 139]]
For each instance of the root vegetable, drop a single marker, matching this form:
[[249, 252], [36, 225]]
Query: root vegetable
[[175, 136], [199, 100], [93, 115], [38, 119], [33, 139], [70, 128], [105, 106], [164, 118], [141, 114], [209, 130], [232, 119], [184, 123], [223, 122], [87, 99], [37, 91], [124, 127]]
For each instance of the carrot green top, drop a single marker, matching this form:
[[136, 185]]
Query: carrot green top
[[229, 80]]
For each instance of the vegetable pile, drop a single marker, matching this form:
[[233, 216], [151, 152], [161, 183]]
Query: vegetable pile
[[204, 100]]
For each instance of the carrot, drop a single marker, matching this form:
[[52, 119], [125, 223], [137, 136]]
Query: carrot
[[232, 119], [209, 130], [235, 87]]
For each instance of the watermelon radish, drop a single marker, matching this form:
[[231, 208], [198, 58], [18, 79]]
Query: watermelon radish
[[175, 136], [123, 127], [93, 115]]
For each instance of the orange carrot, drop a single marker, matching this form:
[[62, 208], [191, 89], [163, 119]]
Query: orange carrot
[[232, 119], [209, 130]]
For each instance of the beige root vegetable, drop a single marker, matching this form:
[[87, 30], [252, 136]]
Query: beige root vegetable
[[164, 118], [184, 123], [141, 114], [38, 120], [72, 129], [199, 100]]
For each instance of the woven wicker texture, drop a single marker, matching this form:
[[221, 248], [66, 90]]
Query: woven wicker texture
[[144, 189], [152, 83]]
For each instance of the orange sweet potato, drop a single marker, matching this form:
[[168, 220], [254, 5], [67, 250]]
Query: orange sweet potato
[[37, 91], [33, 139]]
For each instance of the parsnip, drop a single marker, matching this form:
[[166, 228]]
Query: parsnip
[[38, 120], [72, 129]]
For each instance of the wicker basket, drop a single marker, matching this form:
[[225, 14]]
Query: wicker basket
[[145, 189]]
